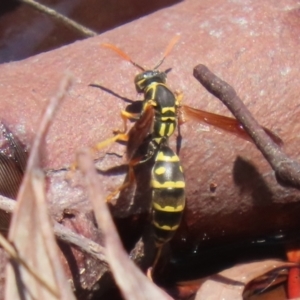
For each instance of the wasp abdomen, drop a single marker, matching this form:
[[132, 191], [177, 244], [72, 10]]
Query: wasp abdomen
[[168, 194]]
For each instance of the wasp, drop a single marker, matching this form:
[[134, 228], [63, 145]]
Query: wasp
[[161, 112], [158, 116]]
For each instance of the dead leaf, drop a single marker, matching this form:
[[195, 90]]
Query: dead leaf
[[230, 284], [37, 273]]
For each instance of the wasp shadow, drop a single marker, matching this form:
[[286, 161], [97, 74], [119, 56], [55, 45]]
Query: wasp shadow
[[137, 196], [113, 171], [247, 177]]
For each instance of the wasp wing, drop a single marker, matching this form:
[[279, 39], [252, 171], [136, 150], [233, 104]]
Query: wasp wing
[[227, 124], [140, 130]]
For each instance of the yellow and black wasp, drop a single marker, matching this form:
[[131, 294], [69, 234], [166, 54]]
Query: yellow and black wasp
[[154, 125], [161, 112]]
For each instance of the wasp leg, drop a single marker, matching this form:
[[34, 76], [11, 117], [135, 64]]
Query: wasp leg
[[125, 115], [149, 273], [180, 114], [128, 182], [157, 256], [178, 140], [179, 96], [181, 119], [151, 270], [120, 135]]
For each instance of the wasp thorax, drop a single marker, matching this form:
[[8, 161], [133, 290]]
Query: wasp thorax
[[143, 80]]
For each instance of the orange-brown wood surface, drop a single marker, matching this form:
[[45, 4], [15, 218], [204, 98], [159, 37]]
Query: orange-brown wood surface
[[252, 45]]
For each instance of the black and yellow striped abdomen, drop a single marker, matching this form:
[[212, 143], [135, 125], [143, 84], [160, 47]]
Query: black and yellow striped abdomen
[[168, 194]]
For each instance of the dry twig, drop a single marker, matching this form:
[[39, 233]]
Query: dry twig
[[70, 23], [287, 170]]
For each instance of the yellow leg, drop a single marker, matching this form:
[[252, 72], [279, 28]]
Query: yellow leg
[[131, 179], [151, 270], [125, 117], [179, 96], [121, 137], [180, 114], [157, 256], [73, 167]]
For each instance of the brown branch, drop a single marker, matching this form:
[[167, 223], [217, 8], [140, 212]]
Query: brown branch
[[68, 22], [287, 171], [64, 234]]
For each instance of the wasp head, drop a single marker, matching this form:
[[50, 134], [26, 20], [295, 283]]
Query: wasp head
[[144, 79]]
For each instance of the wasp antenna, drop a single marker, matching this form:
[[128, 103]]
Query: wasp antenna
[[168, 70], [123, 55], [172, 43], [168, 50], [117, 50]]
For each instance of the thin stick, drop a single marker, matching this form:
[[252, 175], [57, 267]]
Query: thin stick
[[70, 23], [64, 234], [287, 171]]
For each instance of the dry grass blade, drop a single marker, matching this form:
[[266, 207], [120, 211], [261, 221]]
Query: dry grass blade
[[31, 230], [132, 282], [230, 283]]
